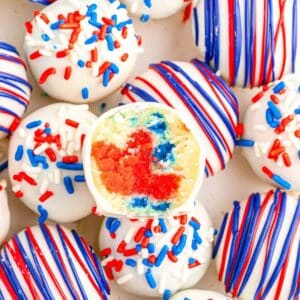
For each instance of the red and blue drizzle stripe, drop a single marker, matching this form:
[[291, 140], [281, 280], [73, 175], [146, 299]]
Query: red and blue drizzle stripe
[[240, 243]]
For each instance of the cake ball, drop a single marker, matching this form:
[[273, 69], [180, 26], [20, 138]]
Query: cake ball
[[81, 51], [250, 42], [271, 138], [143, 159], [194, 89], [155, 9], [258, 247], [198, 295], [50, 262], [15, 89], [4, 212], [45, 161], [157, 257]]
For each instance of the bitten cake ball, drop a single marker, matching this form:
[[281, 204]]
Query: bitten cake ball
[[198, 295], [155, 9], [15, 89], [81, 51], [157, 257], [258, 247], [143, 160], [50, 262], [271, 139], [45, 162], [194, 89], [4, 212], [250, 42]]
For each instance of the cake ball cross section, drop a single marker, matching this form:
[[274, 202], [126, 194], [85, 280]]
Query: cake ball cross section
[[143, 160]]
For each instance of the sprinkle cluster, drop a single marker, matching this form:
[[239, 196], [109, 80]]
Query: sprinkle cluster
[[93, 36], [281, 108], [175, 245], [48, 153]]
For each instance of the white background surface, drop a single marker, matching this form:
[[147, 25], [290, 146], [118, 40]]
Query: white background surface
[[166, 39]]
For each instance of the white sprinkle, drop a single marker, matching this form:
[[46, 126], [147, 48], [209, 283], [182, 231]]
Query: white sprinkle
[[125, 278]]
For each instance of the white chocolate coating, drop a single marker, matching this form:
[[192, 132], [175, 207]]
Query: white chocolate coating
[[15, 89], [257, 248], [61, 191], [281, 159], [48, 262], [168, 276], [4, 212], [155, 9], [193, 89], [198, 295], [85, 66], [250, 42]]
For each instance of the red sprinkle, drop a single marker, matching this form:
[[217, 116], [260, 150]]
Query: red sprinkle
[[46, 196], [34, 55], [70, 159], [68, 72], [51, 154], [45, 75], [72, 123]]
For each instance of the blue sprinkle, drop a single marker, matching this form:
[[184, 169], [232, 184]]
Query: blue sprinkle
[[147, 263], [112, 224], [151, 248], [91, 8], [68, 185], [191, 260], [79, 178], [110, 43], [148, 3], [159, 127], [150, 279], [80, 63], [244, 143], [114, 68], [72, 167], [43, 214], [194, 224], [197, 238], [130, 262], [164, 152], [144, 18], [33, 124], [274, 110], [167, 295], [139, 202], [279, 180], [161, 256], [124, 24], [138, 247], [19, 153], [297, 111], [106, 77], [177, 249], [148, 233], [162, 225], [161, 207], [85, 93], [279, 87], [56, 25], [91, 40], [47, 131], [31, 158], [45, 37]]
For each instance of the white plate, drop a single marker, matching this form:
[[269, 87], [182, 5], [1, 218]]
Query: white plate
[[162, 40]]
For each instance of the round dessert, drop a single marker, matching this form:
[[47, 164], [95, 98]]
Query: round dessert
[[81, 51], [194, 89], [157, 257], [48, 262], [257, 251], [198, 295], [45, 161], [143, 160], [4, 212], [155, 9], [250, 42], [271, 138], [15, 89]]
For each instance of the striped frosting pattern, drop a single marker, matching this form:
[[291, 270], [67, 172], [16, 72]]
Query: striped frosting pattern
[[195, 90], [14, 89], [258, 247], [250, 42], [48, 262]]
